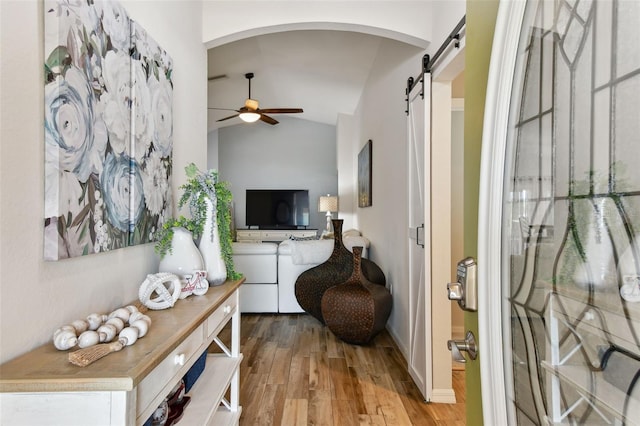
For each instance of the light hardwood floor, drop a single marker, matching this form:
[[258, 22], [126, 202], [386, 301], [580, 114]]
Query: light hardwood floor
[[296, 372]]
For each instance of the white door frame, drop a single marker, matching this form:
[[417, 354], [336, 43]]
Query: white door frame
[[448, 66], [491, 313]]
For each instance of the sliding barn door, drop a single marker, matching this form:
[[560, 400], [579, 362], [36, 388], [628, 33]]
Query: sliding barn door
[[419, 237]]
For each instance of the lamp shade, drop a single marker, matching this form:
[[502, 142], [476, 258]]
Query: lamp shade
[[328, 203]]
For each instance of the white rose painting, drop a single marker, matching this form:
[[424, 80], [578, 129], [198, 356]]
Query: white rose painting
[[108, 130]]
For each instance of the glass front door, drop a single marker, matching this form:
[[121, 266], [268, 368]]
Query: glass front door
[[570, 244]]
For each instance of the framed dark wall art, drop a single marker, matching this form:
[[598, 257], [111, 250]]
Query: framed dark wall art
[[364, 176]]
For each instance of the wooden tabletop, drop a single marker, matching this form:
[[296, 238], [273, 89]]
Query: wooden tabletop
[[46, 369]]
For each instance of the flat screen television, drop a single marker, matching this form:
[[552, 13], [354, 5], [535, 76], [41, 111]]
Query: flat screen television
[[277, 208]]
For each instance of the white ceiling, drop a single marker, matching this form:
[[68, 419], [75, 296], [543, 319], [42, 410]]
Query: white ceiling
[[320, 71]]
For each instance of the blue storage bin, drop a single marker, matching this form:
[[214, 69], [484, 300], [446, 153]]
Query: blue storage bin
[[194, 372]]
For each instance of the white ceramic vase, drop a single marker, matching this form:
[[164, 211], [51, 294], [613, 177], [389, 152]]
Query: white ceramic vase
[[598, 269], [184, 257], [629, 271], [210, 247]]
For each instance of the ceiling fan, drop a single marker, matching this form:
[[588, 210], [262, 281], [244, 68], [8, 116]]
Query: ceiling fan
[[251, 111]]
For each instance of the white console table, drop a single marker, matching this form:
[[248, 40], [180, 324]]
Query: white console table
[[125, 387]]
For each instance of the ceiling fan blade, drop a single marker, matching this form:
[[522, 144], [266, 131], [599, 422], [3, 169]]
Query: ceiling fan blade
[[223, 109], [229, 117], [281, 110], [216, 77], [268, 119]]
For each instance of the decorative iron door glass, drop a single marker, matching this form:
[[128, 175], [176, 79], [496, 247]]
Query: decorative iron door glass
[[108, 130], [571, 215]]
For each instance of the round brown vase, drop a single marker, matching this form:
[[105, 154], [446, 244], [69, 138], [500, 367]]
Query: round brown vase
[[356, 310], [312, 283]]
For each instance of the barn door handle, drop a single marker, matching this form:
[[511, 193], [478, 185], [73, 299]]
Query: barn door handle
[[421, 244]]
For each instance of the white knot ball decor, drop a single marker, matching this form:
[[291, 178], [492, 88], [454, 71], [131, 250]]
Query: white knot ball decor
[[165, 285]]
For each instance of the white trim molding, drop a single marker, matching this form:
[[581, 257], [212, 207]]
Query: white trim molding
[[490, 314], [443, 396]]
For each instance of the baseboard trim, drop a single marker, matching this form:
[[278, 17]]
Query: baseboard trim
[[458, 366], [403, 349], [443, 396]]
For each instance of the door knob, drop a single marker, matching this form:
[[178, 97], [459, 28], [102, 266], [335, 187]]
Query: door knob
[[467, 345], [455, 291]]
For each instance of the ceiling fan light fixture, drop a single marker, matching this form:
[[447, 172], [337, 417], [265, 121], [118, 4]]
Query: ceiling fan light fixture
[[249, 117], [251, 111], [251, 104]]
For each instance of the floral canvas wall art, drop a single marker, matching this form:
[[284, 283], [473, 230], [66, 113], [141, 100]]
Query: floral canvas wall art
[[108, 130], [153, 134]]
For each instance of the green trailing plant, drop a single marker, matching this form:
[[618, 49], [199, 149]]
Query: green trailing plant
[[200, 186]]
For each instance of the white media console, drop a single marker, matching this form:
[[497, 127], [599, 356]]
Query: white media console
[[272, 235]]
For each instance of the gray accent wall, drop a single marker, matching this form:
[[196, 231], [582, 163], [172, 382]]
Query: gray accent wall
[[294, 154]]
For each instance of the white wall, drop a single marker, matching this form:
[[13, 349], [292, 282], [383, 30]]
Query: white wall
[[448, 14], [212, 149], [295, 154], [346, 136], [225, 21], [381, 117], [36, 296]]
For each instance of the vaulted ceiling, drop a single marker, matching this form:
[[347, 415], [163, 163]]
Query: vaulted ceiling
[[323, 72]]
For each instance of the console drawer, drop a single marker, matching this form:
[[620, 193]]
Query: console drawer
[[168, 372], [222, 313]]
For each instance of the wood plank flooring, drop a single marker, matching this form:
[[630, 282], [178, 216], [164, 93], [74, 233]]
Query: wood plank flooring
[[296, 372]]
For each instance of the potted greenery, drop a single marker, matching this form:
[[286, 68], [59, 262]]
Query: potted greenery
[[199, 188]]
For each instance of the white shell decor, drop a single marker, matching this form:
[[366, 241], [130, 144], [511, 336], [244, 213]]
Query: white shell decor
[[65, 339], [88, 338], [80, 326], [128, 324], [139, 316], [122, 313], [117, 323], [135, 316], [95, 321], [64, 328], [132, 308], [129, 335], [108, 331], [147, 319], [142, 327]]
